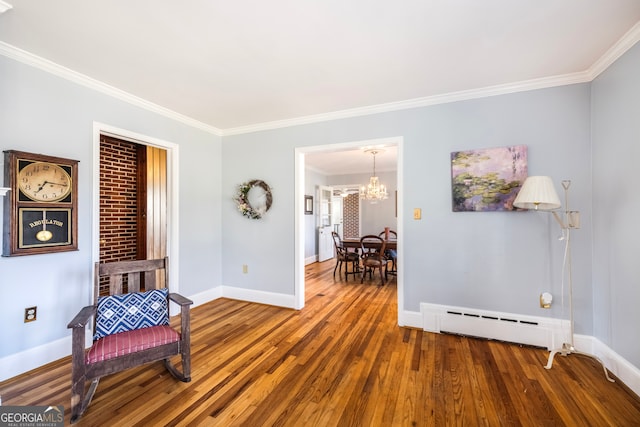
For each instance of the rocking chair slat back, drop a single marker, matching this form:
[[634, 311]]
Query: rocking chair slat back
[[133, 282], [155, 271]]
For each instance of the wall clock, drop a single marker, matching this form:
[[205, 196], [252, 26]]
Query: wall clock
[[41, 210]]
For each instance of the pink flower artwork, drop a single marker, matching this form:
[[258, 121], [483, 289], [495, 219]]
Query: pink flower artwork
[[487, 179]]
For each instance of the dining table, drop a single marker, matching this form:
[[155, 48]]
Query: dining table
[[354, 243], [351, 242]]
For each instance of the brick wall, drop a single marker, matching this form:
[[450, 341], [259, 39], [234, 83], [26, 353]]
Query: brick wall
[[118, 200]]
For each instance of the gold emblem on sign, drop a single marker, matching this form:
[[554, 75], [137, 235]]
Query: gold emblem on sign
[[44, 235]]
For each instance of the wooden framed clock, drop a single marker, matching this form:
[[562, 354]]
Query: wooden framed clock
[[41, 210]]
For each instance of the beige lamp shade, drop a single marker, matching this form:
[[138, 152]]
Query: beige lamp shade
[[537, 193]]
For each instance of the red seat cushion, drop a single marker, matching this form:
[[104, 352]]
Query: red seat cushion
[[128, 342]]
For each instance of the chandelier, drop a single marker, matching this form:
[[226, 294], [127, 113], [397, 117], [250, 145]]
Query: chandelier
[[374, 191]]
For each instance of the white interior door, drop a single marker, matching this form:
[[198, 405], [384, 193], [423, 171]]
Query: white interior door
[[325, 220], [325, 243], [337, 215]]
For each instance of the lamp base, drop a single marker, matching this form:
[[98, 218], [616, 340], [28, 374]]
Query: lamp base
[[568, 349]]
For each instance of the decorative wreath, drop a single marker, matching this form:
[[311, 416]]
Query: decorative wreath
[[242, 199]]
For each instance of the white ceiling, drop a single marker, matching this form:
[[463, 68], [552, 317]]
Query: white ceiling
[[231, 64], [241, 65], [353, 161]]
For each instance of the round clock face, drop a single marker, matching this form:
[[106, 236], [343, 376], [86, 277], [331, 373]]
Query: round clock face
[[44, 182]]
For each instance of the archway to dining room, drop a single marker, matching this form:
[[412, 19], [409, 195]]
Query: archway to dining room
[[300, 172]]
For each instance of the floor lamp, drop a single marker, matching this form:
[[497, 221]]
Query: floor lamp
[[538, 193]]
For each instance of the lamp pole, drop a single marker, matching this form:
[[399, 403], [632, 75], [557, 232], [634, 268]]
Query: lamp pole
[[567, 223]]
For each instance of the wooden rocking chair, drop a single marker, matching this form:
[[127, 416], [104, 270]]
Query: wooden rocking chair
[[131, 327]]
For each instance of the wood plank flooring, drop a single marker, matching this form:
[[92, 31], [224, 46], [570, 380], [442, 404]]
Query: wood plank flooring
[[341, 361]]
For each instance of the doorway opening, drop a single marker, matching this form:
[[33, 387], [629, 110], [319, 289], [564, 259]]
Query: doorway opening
[[300, 169], [135, 198]]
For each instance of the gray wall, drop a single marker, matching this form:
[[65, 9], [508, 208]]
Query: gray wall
[[496, 261], [616, 150], [42, 113]]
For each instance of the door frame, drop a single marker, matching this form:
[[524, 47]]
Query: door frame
[[172, 150], [321, 189], [299, 222]]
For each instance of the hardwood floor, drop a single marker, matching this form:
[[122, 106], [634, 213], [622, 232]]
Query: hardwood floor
[[341, 361]]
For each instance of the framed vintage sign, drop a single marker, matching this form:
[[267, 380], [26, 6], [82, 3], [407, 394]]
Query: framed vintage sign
[[41, 210]]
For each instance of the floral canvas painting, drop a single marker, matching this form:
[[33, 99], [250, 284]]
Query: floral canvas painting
[[487, 179]]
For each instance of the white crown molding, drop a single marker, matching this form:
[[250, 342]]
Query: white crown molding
[[546, 82], [66, 73], [630, 38], [4, 6], [627, 41]]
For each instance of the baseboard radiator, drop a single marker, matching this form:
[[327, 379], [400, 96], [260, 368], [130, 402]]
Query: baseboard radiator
[[529, 330]]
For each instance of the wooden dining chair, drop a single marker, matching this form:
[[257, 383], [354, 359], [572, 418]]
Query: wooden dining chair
[[131, 327], [390, 254], [372, 255], [343, 256]]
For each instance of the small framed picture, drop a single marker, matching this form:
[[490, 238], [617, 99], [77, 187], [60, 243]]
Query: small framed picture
[[308, 205]]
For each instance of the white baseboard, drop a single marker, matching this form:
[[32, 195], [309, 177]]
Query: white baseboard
[[198, 299], [261, 297], [206, 296], [310, 260], [410, 319], [243, 294], [618, 365], [19, 363]]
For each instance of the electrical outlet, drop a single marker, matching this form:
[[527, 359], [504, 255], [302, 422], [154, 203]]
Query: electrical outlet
[[30, 314], [417, 213], [245, 268]]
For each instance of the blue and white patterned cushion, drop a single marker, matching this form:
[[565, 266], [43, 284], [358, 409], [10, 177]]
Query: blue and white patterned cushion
[[121, 313]]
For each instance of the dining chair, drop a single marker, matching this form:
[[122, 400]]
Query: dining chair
[[372, 255], [346, 257], [390, 254]]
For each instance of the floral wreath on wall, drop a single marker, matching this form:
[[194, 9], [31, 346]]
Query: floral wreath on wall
[[242, 199]]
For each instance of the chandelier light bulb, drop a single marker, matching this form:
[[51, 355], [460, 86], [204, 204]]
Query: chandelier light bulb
[[374, 191]]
